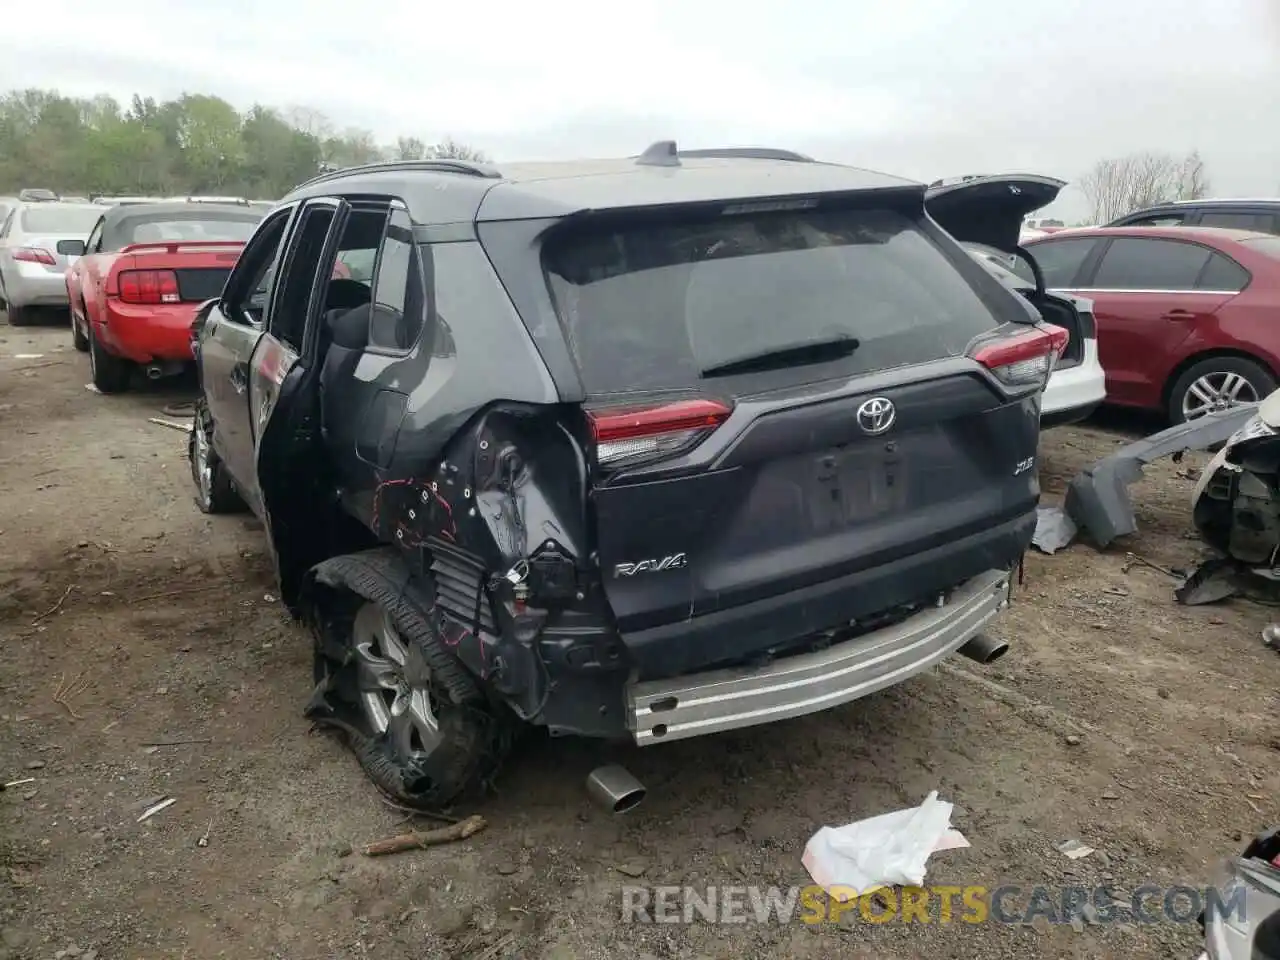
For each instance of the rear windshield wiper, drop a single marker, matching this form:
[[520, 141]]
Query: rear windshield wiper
[[795, 355]]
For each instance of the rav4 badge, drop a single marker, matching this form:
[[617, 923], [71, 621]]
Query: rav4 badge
[[673, 562]]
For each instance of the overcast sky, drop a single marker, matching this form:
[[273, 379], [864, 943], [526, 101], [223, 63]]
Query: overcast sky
[[922, 88]]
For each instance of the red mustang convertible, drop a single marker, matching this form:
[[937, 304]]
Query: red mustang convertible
[[146, 268]]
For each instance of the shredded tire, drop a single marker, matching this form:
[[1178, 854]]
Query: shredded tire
[[476, 736]]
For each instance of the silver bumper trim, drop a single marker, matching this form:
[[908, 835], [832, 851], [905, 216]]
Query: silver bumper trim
[[702, 703]]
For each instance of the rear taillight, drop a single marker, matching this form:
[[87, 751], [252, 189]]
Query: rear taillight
[[34, 255], [1025, 359], [635, 432], [149, 286]]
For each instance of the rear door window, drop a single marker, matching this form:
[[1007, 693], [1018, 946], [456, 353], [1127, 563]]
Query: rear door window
[[651, 305], [1236, 220], [1159, 220], [1060, 260], [398, 301], [1136, 263]]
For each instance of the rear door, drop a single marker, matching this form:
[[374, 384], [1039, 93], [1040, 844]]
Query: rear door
[[1149, 296], [861, 432], [232, 330], [282, 392]]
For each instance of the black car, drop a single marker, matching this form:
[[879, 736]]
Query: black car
[[1262, 216], [642, 448]]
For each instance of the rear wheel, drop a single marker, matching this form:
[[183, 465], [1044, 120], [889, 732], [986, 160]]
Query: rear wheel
[[110, 374], [215, 493], [420, 726], [19, 316], [78, 339], [1218, 383]]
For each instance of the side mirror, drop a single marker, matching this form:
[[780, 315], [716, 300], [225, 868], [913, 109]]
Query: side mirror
[[71, 248]]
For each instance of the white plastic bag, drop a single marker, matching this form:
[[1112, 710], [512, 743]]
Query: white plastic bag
[[889, 850]]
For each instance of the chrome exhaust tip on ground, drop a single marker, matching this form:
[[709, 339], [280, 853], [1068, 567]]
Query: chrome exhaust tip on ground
[[983, 649], [615, 789]]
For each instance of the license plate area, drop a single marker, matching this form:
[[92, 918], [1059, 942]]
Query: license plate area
[[856, 485]]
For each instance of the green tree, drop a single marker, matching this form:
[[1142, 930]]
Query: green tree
[[209, 135], [276, 155], [197, 143]]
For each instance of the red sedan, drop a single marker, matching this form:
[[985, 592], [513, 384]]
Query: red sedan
[[1188, 317]]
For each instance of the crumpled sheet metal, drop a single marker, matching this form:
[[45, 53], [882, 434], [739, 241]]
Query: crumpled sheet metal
[[1098, 496]]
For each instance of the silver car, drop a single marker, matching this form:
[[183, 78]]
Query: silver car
[[36, 241]]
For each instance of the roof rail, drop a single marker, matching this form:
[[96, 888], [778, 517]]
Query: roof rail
[[749, 153], [233, 201], [466, 167]]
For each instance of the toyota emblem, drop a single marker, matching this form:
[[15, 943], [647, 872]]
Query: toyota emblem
[[876, 415]]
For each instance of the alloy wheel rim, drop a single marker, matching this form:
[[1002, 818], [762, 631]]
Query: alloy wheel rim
[[204, 469], [405, 714], [1216, 391]]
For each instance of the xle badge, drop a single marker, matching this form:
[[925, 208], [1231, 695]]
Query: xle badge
[[1024, 465]]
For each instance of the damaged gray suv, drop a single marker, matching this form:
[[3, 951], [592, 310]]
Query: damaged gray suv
[[643, 448]]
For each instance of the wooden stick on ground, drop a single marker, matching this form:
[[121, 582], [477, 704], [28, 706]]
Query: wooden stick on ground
[[427, 838], [184, 427], [56, 607], [198, 588]]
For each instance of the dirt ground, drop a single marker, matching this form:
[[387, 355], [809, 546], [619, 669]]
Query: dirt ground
[[1145, 729]]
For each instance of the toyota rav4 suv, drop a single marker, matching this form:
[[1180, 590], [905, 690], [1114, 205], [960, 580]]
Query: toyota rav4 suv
[[643, 448]]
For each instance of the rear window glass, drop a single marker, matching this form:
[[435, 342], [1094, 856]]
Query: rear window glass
[[55, 218], [1268, 245], [650, 307], [155, 231]]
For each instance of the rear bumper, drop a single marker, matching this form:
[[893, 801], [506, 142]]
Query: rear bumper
[[147, 333], [741, 632], [29, 289], [806, 683], [1062, 418], [1072, 393]]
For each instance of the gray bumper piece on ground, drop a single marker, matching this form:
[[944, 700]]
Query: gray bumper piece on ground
[[1098, 496], [690, 706]]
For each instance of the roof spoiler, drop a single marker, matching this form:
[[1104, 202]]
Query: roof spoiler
[[182, 246]]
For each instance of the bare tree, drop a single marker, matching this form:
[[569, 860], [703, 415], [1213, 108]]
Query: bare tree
[[409, 148], [450, 149], [1119, 185], [1193, 179]]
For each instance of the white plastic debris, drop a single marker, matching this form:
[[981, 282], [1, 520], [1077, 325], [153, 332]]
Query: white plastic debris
[[1074, 849], [1054, 529], [888, 850]]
